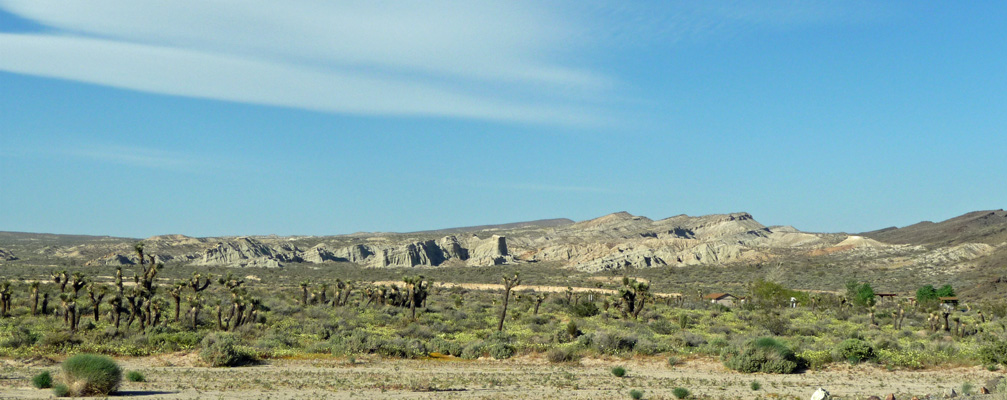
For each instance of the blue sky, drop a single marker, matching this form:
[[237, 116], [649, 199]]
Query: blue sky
[[133, 118]]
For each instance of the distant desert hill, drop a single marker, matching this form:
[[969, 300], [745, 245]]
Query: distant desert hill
[[989, 227], [541, 223], [615, 241]]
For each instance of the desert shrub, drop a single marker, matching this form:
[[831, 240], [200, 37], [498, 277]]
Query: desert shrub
[[662, 327], [674, 361], [994, 353], [618, 371], [416, 330], [174, 341], [221, 350], [887, 343], [648, 347], [636, 394], [474, 350], [816, 359], [276, 340], [501, 351], [854, 351], [563, 354], [438, 345], [585, 309], [755, 385], [773, 322], [59, 339], [572, 331], [42, 381], [763, 355], [680, 392], [402, 348], [60, 390], [21, 336], [135, 376], [607, 342], [90, 374], [689, 339]]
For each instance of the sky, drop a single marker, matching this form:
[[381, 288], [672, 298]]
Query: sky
[[303, 117]]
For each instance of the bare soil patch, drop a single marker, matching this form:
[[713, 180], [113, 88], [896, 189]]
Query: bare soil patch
[[527, 377]]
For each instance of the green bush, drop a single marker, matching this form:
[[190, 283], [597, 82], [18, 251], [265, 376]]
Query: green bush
[[763, 355], [636, 394], [135, 376], [21, 336], [854, 351], [680, 392], [474, 350], [42, 381], [755, 385], [60, 390], [501, 351], [90, 374], [221, 350], [59, 339], [608, 342], [563, 354], [619, 372], [994, 353], [585, 309]]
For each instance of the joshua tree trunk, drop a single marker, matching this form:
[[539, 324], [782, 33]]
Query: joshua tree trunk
[[509, 283], [304, 293], [538, 302]]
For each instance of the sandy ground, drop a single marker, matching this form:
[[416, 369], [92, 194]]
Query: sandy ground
[[178, 376]]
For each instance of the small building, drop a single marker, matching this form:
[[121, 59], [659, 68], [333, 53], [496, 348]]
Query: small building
[[886, 296], [724, 299]]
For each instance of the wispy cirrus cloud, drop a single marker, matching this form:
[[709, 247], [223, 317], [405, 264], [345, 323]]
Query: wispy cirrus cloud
[[491, 60], [508, 60], [142, 157]]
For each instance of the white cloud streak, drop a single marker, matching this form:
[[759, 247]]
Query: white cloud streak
[[142, 157], [492, 61]]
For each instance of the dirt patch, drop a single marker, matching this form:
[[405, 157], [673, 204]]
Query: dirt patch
[[524, 377]]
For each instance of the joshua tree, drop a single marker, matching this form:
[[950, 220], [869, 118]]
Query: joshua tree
[[61, 278], [118, 281], [322, 288], [220, 321], [304, 293], [413, 285], [69, 311], [97, 294], [509, 284], [634, 294], [157, 304], [45, 303], [539, 298], [176, 296], [195, 304], [198, 283], [343, 290], [230, 282], [78, 282], [34, 285], [64, 304], [117, 309], [5, 298]]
